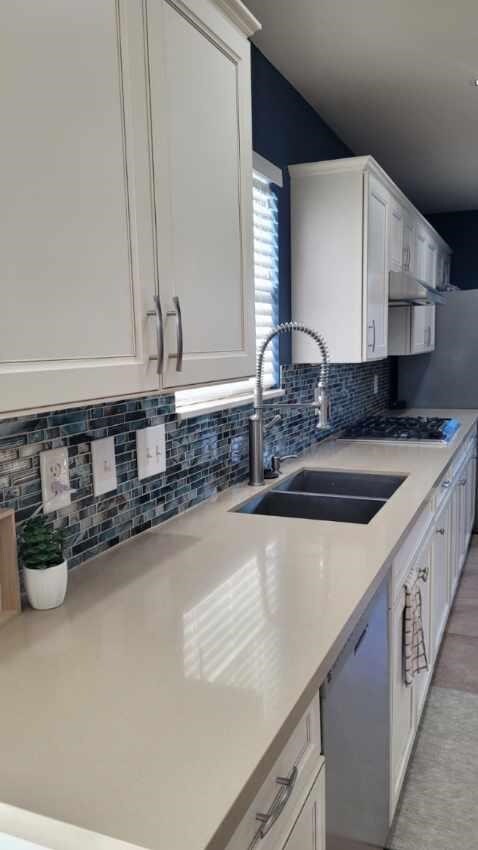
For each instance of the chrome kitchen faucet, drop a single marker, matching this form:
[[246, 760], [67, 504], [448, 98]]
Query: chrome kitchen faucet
[[257, 426]]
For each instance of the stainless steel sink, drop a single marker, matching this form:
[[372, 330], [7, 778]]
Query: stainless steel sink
[[326, 495], [327, 482], [311, 506]]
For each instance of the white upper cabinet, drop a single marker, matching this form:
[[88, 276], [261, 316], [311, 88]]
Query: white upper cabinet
[[127, 176], [399, 257], [421, 254], [408, 243], [73, 288], [340, 224], [376, 270], [199, 68], [352, 226]]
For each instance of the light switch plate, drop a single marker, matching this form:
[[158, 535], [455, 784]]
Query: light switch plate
[[55, 480], [151, 451], [104, 465]]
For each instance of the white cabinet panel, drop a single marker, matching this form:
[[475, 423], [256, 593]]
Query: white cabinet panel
[[398, 242], [422, 681], [420, 266], [411, 329], [402, 703], [408, 243], [301, 756], [74, 297], [440, 577], [309, 829], [200, 109], [432, 262], [376, 301]]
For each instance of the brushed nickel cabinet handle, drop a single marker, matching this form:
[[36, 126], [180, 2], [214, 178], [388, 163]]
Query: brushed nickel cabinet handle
[[423, 574], [268, 819], [463, 481], [179, 332], [446, 484], [158, 316], [440, 531]]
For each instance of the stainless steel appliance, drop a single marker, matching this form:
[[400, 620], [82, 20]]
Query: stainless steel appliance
[[356, 725], [432, 430]]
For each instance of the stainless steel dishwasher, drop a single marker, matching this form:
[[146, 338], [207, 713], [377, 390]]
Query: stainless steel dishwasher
[[356, 726]]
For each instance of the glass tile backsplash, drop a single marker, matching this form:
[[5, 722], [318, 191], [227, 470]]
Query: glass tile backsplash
[[204, 455]]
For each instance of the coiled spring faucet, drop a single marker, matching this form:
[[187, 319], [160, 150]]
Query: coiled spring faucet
[[256, 421]]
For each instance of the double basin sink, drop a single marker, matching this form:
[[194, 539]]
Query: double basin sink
[[354, 497]]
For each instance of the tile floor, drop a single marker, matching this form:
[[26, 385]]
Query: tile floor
[[439, 804]]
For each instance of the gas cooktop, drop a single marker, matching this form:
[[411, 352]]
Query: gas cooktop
[[421, 429]]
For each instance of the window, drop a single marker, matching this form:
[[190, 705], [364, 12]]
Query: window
[[266, 280]]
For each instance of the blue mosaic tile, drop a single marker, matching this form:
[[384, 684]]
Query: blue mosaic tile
[[205, 455]]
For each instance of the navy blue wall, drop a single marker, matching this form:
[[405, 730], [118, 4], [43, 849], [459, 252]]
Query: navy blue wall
[[460, 230], [286, 130]]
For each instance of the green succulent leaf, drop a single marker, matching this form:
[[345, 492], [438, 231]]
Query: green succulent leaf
[[41, 546]]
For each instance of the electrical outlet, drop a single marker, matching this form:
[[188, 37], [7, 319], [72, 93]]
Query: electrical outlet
[[375, 384], [55, 479], [151, 451], [104, 465]]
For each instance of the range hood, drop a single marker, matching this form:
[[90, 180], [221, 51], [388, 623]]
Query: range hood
[[405, 288]]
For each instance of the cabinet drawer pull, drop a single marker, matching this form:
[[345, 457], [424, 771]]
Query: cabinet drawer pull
[[268, 819], [440, 531], [158, 315], [446, 484], [463, 481], [179, 332]]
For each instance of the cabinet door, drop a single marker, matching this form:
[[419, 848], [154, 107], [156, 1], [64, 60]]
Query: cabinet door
[[420, 269], [403, 718], [376, 293], [440, 577], [398, 247], [308, 832], [408, 244], [422, 681], [422, 337], [75, 247], [199, 66]]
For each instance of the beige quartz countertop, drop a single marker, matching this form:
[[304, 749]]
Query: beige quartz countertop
[[150, 706]]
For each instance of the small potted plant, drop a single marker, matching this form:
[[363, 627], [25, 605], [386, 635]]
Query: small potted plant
[[44, 567]]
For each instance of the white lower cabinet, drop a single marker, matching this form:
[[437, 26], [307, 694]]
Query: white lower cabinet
[[436, 547], [126, 255], [426, 580], [440, 578], [402, 704], [289, 807], [308, 832]]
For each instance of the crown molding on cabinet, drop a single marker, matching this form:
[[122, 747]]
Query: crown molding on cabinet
[[241, 16]]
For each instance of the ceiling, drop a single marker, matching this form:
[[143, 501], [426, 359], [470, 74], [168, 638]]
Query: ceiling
[[393, 80]]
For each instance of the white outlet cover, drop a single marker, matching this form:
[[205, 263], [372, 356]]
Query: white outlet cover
[[55, 480], [104, 465], [151, 451]]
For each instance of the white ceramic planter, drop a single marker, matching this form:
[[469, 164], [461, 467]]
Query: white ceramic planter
[[46, 588]]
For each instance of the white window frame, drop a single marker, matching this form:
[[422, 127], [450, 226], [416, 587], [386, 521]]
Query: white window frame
[[202, 400]]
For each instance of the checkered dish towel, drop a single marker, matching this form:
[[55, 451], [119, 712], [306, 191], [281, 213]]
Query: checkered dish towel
[[414, 650]]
